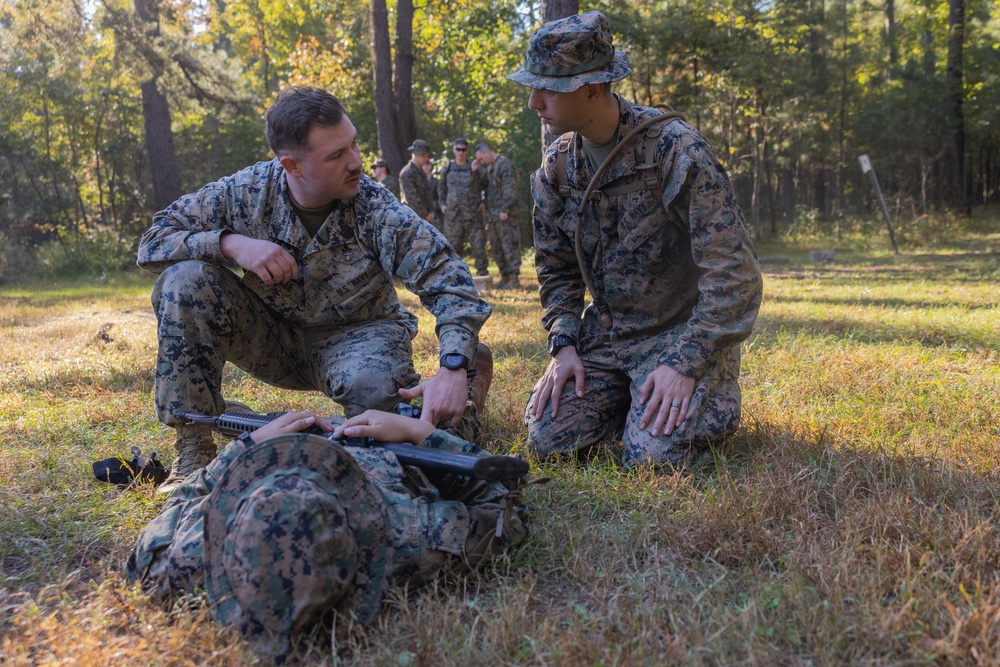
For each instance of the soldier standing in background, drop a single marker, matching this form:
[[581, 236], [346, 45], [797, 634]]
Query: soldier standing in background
[[432, 183], [498, 180], [461, 201], [380, 170], [413, 181]]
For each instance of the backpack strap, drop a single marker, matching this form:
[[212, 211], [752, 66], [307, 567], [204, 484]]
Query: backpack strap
[[562, 152]]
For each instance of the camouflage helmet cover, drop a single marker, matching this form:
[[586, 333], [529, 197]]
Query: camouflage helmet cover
[[293, 530], [569, 53]]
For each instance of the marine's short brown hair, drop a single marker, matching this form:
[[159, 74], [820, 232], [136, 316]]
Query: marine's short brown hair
[[293, 114]]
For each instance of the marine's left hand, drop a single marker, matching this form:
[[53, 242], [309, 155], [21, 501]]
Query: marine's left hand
[[444, 397], [667, 396], [290, 422]]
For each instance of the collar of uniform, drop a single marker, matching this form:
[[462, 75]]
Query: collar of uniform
[[624, 164], [285, 224], [576, 161]]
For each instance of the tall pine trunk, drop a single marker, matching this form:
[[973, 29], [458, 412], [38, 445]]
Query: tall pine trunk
[[393, 95], [163, 167], [954, 78]]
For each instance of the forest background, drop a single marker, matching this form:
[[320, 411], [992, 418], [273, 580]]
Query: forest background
[[790, 92]]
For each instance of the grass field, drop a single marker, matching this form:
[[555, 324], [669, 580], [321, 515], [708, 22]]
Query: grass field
[[852, 521]]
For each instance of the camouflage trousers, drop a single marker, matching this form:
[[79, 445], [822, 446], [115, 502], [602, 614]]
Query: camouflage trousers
[[505, 245], [461, 226], [610, 407], [206, 317]]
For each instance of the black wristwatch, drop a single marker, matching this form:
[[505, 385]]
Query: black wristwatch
[[558, 342], [454, 361]]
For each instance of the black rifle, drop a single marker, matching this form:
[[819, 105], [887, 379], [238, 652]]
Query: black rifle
[[477, 466]]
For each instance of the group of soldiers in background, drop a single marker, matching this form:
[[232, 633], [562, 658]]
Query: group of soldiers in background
[[472, 201]]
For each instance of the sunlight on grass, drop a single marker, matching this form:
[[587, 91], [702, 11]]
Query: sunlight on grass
[[852, 520]]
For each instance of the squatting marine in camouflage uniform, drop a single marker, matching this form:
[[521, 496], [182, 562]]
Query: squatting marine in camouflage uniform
[[461, 200], [668, 261], [498, 180], [315, 308], [281, 532]]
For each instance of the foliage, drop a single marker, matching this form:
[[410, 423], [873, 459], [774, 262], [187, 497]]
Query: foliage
[[789, 92]]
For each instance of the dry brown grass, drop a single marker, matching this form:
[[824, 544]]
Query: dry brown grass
[[853, 519]]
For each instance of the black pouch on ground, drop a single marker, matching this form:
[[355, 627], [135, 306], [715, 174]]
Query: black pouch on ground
[[140, 469]]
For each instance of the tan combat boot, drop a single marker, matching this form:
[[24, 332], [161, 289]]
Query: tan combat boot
[[479, 386], [195, 449], [511, 281]]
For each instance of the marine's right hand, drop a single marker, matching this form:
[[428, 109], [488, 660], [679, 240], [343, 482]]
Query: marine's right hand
[[272, 263], [385, 426], [566, 365]]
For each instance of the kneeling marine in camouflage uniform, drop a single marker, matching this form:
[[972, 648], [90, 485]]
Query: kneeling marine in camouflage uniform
[[632, 205]]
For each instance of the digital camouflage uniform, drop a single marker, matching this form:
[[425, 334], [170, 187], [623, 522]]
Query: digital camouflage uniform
[[460, 193], [432, 183], [680, 281], [667, 253], [337, 328], [416, 190], [430, 524], [391, 184], [500, 185]]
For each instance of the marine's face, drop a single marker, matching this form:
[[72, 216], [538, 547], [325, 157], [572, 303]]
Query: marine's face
[[330, 168], [461, 153], [559, 112], [485, 157]]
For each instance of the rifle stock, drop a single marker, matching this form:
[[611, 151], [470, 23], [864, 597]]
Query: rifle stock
[[487, 467]]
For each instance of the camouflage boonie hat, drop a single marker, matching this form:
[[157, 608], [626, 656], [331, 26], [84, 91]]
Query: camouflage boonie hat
[[419, 146], [293, 530], [569, 53]]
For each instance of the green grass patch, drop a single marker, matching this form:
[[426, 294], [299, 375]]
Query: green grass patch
[[851, 520]]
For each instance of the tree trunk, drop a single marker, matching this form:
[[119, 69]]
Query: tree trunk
[[393, 82], [160, 151], [390, 145], [954, 78], [890, 34], [552, 10], [402, 85]]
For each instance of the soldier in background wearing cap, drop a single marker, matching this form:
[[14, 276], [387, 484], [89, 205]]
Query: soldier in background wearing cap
[[665, 254], [319, 245], [461, 200], [413, 181], [283, 530], [380, 171]]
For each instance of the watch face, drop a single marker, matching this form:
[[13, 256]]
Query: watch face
[[454, 362]]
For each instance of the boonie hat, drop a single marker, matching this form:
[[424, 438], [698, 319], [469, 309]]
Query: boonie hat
[[293, 530], [569, 53], [419, 146]]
